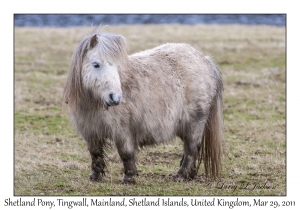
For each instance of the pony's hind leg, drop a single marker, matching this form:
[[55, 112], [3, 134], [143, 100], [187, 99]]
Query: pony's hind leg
[[192, 143]]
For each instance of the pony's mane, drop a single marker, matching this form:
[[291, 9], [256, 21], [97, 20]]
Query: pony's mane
[[111, 47]]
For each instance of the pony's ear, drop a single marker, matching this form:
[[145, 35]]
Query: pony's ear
[[94, 41]]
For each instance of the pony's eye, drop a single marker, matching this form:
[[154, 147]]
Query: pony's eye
[[96, 64]]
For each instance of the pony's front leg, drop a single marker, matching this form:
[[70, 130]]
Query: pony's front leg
[[98, 163], [127, 154], [129, 168]]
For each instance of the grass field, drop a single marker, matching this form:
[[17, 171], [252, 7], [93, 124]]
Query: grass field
[[52, 159]]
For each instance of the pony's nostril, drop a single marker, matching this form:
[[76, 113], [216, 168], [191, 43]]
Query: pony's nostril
[[111, 96], [114, 99]]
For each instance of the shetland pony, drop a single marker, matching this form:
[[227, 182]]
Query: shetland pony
[[143, 99]]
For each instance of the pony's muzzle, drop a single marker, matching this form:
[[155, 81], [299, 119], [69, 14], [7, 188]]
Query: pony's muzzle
[[114, 99]]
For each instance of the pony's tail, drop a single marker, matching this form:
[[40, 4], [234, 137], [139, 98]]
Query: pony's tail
[[213, 135]]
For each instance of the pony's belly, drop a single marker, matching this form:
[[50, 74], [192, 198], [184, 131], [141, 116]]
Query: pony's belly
[[157, 135]]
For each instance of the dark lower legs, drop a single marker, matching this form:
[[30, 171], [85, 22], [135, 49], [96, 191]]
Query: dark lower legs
[[129, 168], [96, 148], [187, 170], [98, 165], [127, 154], [192, 143]]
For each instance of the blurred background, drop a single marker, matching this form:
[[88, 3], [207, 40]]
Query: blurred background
[[69, 20]]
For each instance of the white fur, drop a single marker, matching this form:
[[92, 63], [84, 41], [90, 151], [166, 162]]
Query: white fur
[[103, 80]]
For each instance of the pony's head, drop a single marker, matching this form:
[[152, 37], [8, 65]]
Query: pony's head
[[95, 68]]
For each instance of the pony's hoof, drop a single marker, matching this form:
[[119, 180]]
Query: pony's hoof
[[95, 178], [178, 178], [128, 180], [181, 178]]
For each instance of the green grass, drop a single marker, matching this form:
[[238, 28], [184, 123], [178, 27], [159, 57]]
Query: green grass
[[52, 159]]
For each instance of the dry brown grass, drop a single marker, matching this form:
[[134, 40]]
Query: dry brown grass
[[51, 159]]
